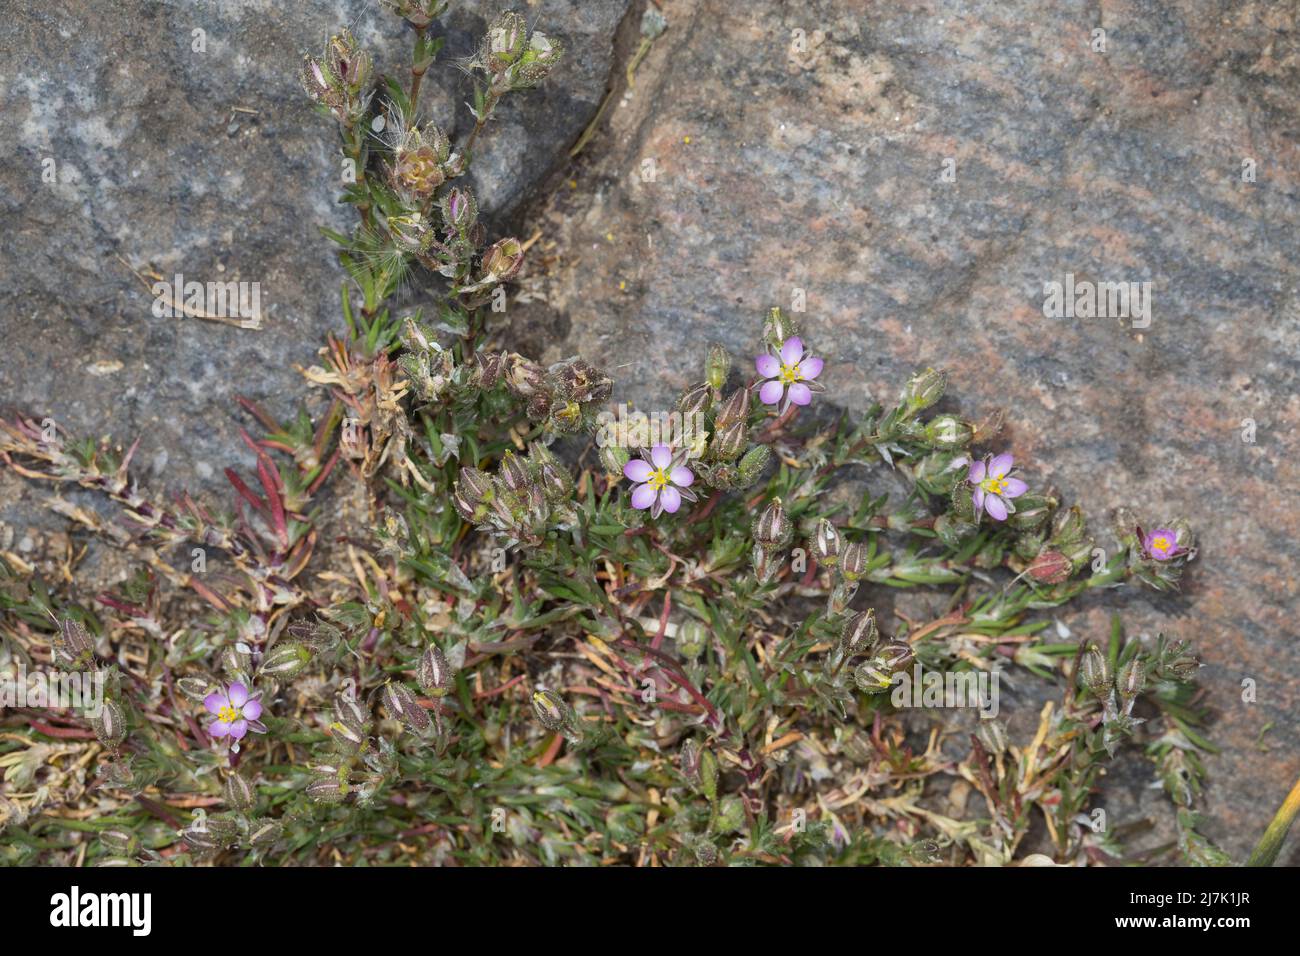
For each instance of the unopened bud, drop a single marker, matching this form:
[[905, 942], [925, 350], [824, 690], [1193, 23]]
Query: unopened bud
[[873, 676], [110, 725], [859, 634], [1132, 679], [734, 409], [695, 400], [1050, 567], [853, 562], [825, 543], [692, 639], [772, 529], [750, 468], [503, 259], [433, 673], [729, 442], [194, 688], [285, 660], [328, 789], [717, 366], [1095, 670], [264, 833], [238, 793], [924, 389], [552, 712], [949, 432], [402, 705]]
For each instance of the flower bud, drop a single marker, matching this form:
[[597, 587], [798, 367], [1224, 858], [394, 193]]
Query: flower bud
[[537, 61], [110, 725], [750, 468], [1095, 670], [459, 210], [555, 480], [552, 712], [329, 788], [716, 367], [853, 562], [825, 543], [433, 672], [1032, 512], [777, 328], [284, 660], [859, 634], [238, 793], [734, 409], [924, 389], [949, 432], [505, 42], [695, 400], [896, 655], [402, 705], [1050, 567], [488, 368], [692, 639], [772, 530], [873, 676], [729, 442], [1068, 528], [74, 645], [514, 472], [1132, 679], [264, 833]]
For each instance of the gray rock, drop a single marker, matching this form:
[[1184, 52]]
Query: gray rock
[[213, 164], [802, 147]]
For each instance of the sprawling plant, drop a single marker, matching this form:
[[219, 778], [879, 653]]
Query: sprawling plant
[[465, 614]]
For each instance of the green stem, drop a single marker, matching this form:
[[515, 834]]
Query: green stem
[[1270, 844]]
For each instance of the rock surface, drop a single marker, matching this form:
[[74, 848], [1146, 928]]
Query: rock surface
[[767, 151], [212, 164], [770, 150]]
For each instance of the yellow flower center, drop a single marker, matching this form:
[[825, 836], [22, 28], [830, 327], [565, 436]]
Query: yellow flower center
[[994, 486], [790, 373], [1160, 544], [659, 479], [228, 714]]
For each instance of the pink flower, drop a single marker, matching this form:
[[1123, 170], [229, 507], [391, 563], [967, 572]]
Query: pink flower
[[995, 486], [663, 480], [790, 375], [236, 712], [1162, 544]]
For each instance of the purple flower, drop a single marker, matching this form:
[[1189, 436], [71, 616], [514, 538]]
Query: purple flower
[[663, 480], [236, 712], [1162, 544], [790, 375], [995, 487]]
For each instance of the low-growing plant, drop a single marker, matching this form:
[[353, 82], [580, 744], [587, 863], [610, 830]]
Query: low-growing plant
[[547, 634]]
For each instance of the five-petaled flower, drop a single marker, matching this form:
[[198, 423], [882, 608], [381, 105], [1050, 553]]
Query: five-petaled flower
[[789, 375], [995, 486], [236, 712], [663, 480], [1162, 544]]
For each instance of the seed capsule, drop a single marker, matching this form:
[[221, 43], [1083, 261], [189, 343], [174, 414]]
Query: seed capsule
[[772, 529], [853, 562], [1096, 672], [859, 634], [826, 543], [285, 660], [402, 705], [433, 672], [238, 793], [110, 725]]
